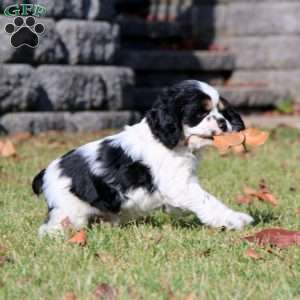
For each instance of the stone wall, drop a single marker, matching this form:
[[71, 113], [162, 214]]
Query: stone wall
[[71, 72], [102, 60], [264, 35]]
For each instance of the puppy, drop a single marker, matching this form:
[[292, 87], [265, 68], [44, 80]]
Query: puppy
[[147, 166]]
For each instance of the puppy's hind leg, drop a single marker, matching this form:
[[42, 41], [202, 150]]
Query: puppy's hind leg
[[54, 223]]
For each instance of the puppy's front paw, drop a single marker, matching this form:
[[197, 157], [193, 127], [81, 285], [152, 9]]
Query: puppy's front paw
[[237, 220]]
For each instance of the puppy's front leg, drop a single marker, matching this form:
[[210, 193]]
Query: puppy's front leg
[[209, 210]]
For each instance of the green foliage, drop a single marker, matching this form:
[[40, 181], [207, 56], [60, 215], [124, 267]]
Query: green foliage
[[285, 106], [143, 259]]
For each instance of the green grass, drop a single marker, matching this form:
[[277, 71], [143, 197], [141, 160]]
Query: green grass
[[146, 260]]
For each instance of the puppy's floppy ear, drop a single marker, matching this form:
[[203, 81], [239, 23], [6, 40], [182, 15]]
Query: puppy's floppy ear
[[231, 115], [164, 119]]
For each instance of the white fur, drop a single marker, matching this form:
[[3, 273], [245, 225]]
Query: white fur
[[210, 91]]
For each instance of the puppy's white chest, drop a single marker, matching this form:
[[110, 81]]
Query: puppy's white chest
[[139, 203]]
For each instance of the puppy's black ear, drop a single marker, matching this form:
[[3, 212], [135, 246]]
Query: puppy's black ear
[[231, 115], [164, 119]]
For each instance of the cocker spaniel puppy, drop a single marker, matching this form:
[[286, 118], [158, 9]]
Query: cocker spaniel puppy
[[147, 166]]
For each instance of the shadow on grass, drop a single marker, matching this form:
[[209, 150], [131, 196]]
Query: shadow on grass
[[158, 221], [262, 217]]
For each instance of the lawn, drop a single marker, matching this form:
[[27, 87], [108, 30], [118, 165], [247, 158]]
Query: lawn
[[160, 257]]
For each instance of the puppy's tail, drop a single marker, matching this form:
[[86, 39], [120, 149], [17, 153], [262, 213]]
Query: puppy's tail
[[37, 182]]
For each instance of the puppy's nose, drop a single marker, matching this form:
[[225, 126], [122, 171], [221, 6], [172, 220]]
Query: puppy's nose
[[222, 124]]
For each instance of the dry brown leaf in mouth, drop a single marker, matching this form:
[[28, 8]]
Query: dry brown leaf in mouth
[[255, 137], [238, 141]]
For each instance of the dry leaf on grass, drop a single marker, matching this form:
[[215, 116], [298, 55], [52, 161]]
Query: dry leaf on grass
[[70, 296], [4, 260], [277, 237], [171, 295], [244, 199], [263, 194], [191, 297], [253, 254], [20, 137], [106, 292], [80, 238], [7, 149]]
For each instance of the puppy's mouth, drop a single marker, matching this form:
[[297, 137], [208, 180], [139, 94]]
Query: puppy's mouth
[[203, 136], [200, 136]]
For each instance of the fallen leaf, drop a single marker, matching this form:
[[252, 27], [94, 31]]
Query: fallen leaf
[[3, 249], [244, 199], [80, 238], [171, 295], [267, 197], [263, 195], [277, 237], [190, 297], [250, 191], [70, 296], [20, 137], [106, 292], [298, 211], [253, 254], [3, 260], [7, 149]]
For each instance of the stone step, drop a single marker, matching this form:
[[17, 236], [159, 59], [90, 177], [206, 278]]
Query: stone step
[[64, 88], [36, 122], [153, 79], [232, 17], [177, 60], [287, 80], [254, 98], [271, 122]]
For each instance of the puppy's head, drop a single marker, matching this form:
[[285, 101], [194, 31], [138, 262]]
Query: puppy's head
[[191, 108]]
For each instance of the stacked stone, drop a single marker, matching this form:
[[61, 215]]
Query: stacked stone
[[69, 82], [253, 47]]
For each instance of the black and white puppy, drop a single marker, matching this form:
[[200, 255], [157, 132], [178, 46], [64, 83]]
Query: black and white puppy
[[147, 166]]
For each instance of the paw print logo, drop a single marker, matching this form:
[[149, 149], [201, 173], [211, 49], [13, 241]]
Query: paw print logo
[[24, 32]]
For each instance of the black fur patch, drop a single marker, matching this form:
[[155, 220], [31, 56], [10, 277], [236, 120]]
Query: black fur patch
[[231, 115], [183, 103], [37, 182], [106, 192]]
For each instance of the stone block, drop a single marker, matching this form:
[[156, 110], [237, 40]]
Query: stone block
[[77, 88], [270, 52], [18, 90], [36, 122], [89, 42], [263, 18]]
